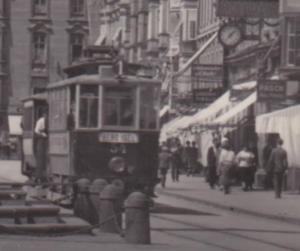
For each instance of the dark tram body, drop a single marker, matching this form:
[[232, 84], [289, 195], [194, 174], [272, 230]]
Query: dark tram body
[[102, 123]]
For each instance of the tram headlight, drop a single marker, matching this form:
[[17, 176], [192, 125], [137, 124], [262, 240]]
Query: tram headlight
[[117, 164]]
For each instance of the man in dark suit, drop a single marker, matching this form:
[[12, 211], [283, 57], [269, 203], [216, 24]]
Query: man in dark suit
[[277, 165], [212, 162]]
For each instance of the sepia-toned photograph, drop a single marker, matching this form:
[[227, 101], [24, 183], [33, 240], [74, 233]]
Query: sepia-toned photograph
[[160, 125]]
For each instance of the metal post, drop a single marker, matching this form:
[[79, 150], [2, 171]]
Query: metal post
[[171, 83]]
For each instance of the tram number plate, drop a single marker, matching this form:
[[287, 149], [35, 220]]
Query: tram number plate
[[118, 137]]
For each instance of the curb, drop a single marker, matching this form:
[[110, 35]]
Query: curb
[[282, 218]]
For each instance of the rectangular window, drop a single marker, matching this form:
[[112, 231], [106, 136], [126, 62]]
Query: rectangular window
[[77, 7], [40, 7], [293, 41], [119, 106], [77, 46], [89, 106], [192, 29], [39, 48], [149, 107]]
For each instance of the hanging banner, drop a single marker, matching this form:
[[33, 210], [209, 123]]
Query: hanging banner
[[271, 90], [246, 8]]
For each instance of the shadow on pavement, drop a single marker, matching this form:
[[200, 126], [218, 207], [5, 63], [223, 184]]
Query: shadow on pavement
[[160, 208]]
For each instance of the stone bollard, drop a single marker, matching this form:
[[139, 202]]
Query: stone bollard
[[110, 211], [137, 218], [81, 204], [95, 190]]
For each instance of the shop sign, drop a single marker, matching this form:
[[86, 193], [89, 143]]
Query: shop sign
[[206, 96], [246, 8], [206, 72], [289, 6], [268, 90]]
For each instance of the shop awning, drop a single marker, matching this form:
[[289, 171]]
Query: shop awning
[[14, 123], [238, 108], [280, 121]]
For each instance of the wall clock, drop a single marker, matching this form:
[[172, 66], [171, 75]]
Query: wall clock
[[230, 35]]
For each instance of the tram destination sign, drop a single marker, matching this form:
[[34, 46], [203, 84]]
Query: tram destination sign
[[248, 8], [118, 137], [270, 90]]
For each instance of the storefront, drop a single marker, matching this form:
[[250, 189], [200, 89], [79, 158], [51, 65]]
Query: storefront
[[285, 123]]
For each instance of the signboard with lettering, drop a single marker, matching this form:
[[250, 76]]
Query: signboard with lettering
[[207, 76], [246, 8], [206, 96], [289, 6], [269, 90]]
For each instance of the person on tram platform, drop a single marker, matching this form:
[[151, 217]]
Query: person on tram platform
[[41, 144]]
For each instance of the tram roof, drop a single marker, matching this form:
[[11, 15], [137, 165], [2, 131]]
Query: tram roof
[[38, 96], [95, 79]]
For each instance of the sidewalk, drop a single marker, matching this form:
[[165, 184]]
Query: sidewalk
[[257, 203]]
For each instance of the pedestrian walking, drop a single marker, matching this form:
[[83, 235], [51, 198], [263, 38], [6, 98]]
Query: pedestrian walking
[[277, 166], [194, 158], [226, 165], [212, 162], [245, 161], [266, 156], [188, 158], [176, 163], [164, 158]]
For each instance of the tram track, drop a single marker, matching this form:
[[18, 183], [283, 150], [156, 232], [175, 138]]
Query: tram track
[[229, 232]]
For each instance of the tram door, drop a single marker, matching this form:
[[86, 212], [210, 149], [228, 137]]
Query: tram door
[[32, 111]]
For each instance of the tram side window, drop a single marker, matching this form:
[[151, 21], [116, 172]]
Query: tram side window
[[149, 107], [88, 106], [119, 106]]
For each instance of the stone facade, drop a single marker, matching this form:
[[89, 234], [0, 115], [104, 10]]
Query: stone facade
[[44, 37]]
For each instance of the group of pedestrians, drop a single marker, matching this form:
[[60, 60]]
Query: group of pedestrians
[[221, 161], [223, 166], [179, 159]]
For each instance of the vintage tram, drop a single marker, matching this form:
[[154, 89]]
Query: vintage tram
[[102, 123]]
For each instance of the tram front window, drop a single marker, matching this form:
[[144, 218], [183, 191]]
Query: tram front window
[[88, 115], [149, 107], [119, 103]]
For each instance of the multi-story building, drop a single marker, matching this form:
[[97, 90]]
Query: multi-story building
[[43, 36], [131, 26]]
